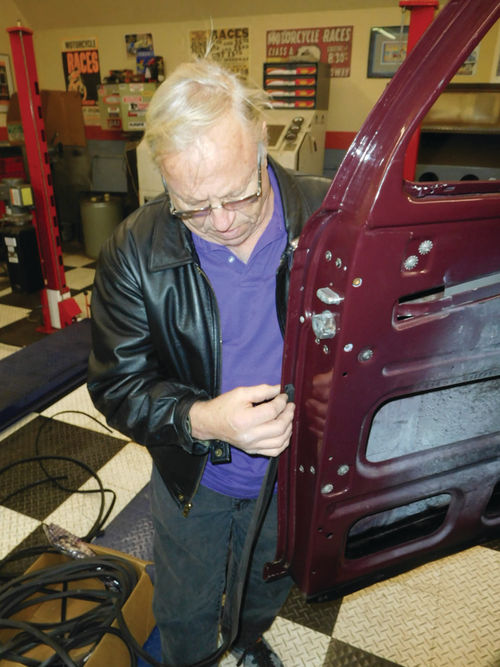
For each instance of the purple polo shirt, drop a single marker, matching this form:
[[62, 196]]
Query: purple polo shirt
[[252, 343]]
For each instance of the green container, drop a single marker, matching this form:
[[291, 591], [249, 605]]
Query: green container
[[100, 215]]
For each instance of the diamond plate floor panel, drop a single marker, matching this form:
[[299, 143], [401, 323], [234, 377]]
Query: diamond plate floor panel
[[132, 530], [297, 645], [319, 616], [49, 438], [443, 614]]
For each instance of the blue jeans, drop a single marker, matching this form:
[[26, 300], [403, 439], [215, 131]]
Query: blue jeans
[[194, 556]]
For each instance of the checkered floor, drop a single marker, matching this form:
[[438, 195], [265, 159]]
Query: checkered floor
[[445, 613]]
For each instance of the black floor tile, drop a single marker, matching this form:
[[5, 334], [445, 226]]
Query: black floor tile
[[22, 300], [92, 263], [340, 654], [4, 278], [493, 544], [37, 488], [23, 332], [20, 558], [319, 616]]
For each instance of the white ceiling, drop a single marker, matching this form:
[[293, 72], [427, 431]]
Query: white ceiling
[[45, 14]]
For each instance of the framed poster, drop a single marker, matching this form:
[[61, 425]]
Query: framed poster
[[332, 45], [228, 46], [6, 83], [495, 70], [387, 50], [81, 68]]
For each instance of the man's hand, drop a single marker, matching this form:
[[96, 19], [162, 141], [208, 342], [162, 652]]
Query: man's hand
[[256, 419]]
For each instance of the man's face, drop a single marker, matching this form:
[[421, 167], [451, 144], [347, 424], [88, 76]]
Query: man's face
[[221, 167]]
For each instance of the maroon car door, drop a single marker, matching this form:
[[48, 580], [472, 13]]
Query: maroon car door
[[392, 347]]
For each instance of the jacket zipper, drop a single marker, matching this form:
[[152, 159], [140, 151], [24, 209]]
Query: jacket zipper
[[284, 257], [216, 385]]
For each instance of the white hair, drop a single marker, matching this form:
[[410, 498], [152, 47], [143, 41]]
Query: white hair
[[193, 99]]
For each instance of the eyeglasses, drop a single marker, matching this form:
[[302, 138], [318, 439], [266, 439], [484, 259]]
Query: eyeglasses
[[228, 205]]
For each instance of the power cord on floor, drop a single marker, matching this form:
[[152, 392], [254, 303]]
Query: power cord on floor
[[119, 579], [103, 515], [81, 633], [48, 478]]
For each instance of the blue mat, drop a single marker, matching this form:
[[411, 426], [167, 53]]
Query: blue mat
[[131, 531], [153, 647], [39, 374]]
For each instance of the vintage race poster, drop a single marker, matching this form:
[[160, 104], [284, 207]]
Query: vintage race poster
[[469, 67], [332, 45], [228, 46], [137, 41], [81, 68], [6, 87]]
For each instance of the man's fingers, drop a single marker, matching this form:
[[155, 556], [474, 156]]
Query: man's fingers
[[243, 416], [270, 410], [271, 435], [264, 392]]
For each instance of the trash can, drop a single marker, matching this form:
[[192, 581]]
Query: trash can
[[100, 215]]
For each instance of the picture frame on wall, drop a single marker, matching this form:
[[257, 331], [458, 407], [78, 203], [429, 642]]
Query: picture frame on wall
[[6, 83], [495, 70], [387, 50]]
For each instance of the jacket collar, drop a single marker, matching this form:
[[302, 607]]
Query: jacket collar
[[172, 243]]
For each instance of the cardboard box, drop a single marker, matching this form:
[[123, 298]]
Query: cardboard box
[[62, 116], [110, 651]]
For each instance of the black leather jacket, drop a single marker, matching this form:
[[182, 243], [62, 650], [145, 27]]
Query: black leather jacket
[[155, 329]]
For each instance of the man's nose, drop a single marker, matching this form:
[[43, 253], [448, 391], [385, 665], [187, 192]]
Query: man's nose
[[222, 219]]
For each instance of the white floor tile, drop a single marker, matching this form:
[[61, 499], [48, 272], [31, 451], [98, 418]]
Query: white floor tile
[[79, 278], [297, 645], [444, 614], [79, 512], [10, 314], [129, 470], [125, 474], [19, 424], [15, 528], [76, 260], [77, 408], [6, 350], [83, 301]]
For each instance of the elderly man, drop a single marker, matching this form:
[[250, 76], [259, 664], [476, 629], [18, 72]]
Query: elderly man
[[188, 315]]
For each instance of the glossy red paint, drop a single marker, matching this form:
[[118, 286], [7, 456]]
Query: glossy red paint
[[400, 261]]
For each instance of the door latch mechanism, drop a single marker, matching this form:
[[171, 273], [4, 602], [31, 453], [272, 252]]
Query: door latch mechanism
[[324, 324]]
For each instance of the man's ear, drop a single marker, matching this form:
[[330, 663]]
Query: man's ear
[[264, 140]]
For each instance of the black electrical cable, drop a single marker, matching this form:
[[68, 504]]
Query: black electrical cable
[[36, 587], [119, 577], [56, 480], [28, 487], [102, 516], [101, 520], [43, 638]]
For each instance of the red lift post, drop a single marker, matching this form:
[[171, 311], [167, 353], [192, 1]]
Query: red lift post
[[58, 307], [422, 15]]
